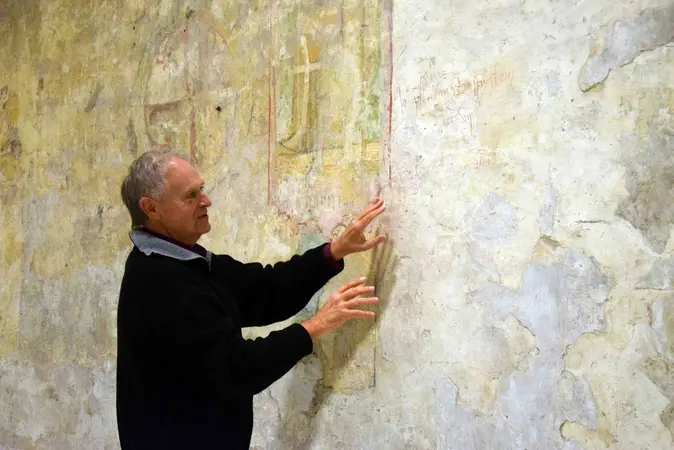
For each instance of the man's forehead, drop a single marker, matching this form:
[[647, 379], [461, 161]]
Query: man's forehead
[[181, 175]]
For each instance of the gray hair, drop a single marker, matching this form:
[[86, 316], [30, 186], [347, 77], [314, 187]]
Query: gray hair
[[145, 179]]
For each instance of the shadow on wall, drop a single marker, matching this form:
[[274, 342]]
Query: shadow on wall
[[297, 432]]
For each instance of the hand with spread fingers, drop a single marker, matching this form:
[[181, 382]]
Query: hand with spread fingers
[[353, 238], [342, 305]]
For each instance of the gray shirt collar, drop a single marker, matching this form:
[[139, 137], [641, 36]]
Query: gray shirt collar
[[149, 244]]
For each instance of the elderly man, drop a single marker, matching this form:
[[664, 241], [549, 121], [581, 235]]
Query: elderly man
[[185, 375]]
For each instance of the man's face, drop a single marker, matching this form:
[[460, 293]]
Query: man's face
[[182, 209]]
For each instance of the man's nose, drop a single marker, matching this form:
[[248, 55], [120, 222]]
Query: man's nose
[[205, 201]]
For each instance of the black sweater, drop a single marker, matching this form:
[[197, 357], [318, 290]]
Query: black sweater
[[185, 375]]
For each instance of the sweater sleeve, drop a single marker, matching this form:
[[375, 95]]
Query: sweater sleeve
[[266, 294], [198, 339]]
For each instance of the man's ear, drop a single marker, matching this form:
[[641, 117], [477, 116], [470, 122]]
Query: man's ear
[[149, 207]]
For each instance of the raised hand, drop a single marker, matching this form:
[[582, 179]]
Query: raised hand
[[353, 238], [341, 306]]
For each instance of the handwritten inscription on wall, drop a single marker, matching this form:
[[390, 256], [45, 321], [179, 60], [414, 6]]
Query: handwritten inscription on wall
[[447, 99], [439, 86]]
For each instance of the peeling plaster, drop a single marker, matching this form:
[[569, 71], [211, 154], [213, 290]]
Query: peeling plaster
[[525, 293], [624, 41]]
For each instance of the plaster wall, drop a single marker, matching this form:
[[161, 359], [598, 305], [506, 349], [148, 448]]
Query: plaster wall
[[525, 153]]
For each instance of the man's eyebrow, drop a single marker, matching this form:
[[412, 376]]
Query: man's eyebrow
[[194, 188]]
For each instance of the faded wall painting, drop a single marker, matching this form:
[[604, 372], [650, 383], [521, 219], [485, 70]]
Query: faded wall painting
[[199, 92], [326, 89], [292, 107], [524, 153]]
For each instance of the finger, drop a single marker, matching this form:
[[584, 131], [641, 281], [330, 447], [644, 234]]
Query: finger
[[357, 313], [371, 207], [360, 302], [366, 216], [369, 217], [375, 203], [351, 284], [356, 291], [375, 212], [372, 242]]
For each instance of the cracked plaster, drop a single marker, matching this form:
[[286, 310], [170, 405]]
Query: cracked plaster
[[526, 296]]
